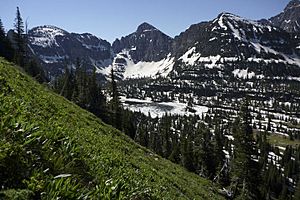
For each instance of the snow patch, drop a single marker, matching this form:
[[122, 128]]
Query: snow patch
[[149, 69], [221, 23], [190, 57], [243, 73], [124, 64], [158, 109], [212, 39]]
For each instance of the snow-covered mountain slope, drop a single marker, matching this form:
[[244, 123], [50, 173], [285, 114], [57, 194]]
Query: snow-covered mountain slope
[[230, 42], [55, 47], [126, 68]]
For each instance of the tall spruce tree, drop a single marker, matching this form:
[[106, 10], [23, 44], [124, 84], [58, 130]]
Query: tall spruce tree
[[245, 170], [221, 162], [2, 31], [115, 103], [165, 131], [187, 154], [97, 101], [204, 152], [19, 39]]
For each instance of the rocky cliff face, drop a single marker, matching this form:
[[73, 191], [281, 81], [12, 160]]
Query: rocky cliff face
[[147, 43]]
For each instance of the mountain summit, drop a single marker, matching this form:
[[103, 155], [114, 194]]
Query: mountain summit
[[292, 5], [144, 27], [289, 19], [146, 44]]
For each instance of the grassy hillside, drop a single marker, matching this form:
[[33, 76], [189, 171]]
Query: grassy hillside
[[51, 148]]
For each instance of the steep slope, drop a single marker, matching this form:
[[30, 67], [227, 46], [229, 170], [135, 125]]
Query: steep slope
[[289, 19], [55, 46], [51, 148]]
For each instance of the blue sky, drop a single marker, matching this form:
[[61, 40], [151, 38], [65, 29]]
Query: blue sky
[[111, 19]]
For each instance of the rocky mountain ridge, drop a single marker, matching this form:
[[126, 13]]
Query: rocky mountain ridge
[[56, 48], [228, 42]]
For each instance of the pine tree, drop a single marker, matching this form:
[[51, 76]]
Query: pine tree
[[165, 131], [187, 154], [2, 31], [6, 49], [245, 171], [68, 84], [221, 163], [19, 39], [115, 103], [204, 152], [97, 101], [81, 92]]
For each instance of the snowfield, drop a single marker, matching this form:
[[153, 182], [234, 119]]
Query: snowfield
[[149, 69], [243, 73], [128, 69], [158, 109]]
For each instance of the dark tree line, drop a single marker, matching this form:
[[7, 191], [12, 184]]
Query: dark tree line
[[15, 49], [82, 87]]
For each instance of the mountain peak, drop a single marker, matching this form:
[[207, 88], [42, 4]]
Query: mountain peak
[[289, 19], [48, 29], [225, 14], [146, 27], [292, 4], [224, 18]]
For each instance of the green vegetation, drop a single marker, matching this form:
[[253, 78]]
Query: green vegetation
[[51, 148]]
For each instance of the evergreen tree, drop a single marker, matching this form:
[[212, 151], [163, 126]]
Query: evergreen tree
[[6, 49], [165, 131], [81, 83], [33, 68], [204, 152], [2, 31], [129, 123], [19, 39], [68, 84], [115, 103], [221, 163], [245, 171], [187, 154]]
